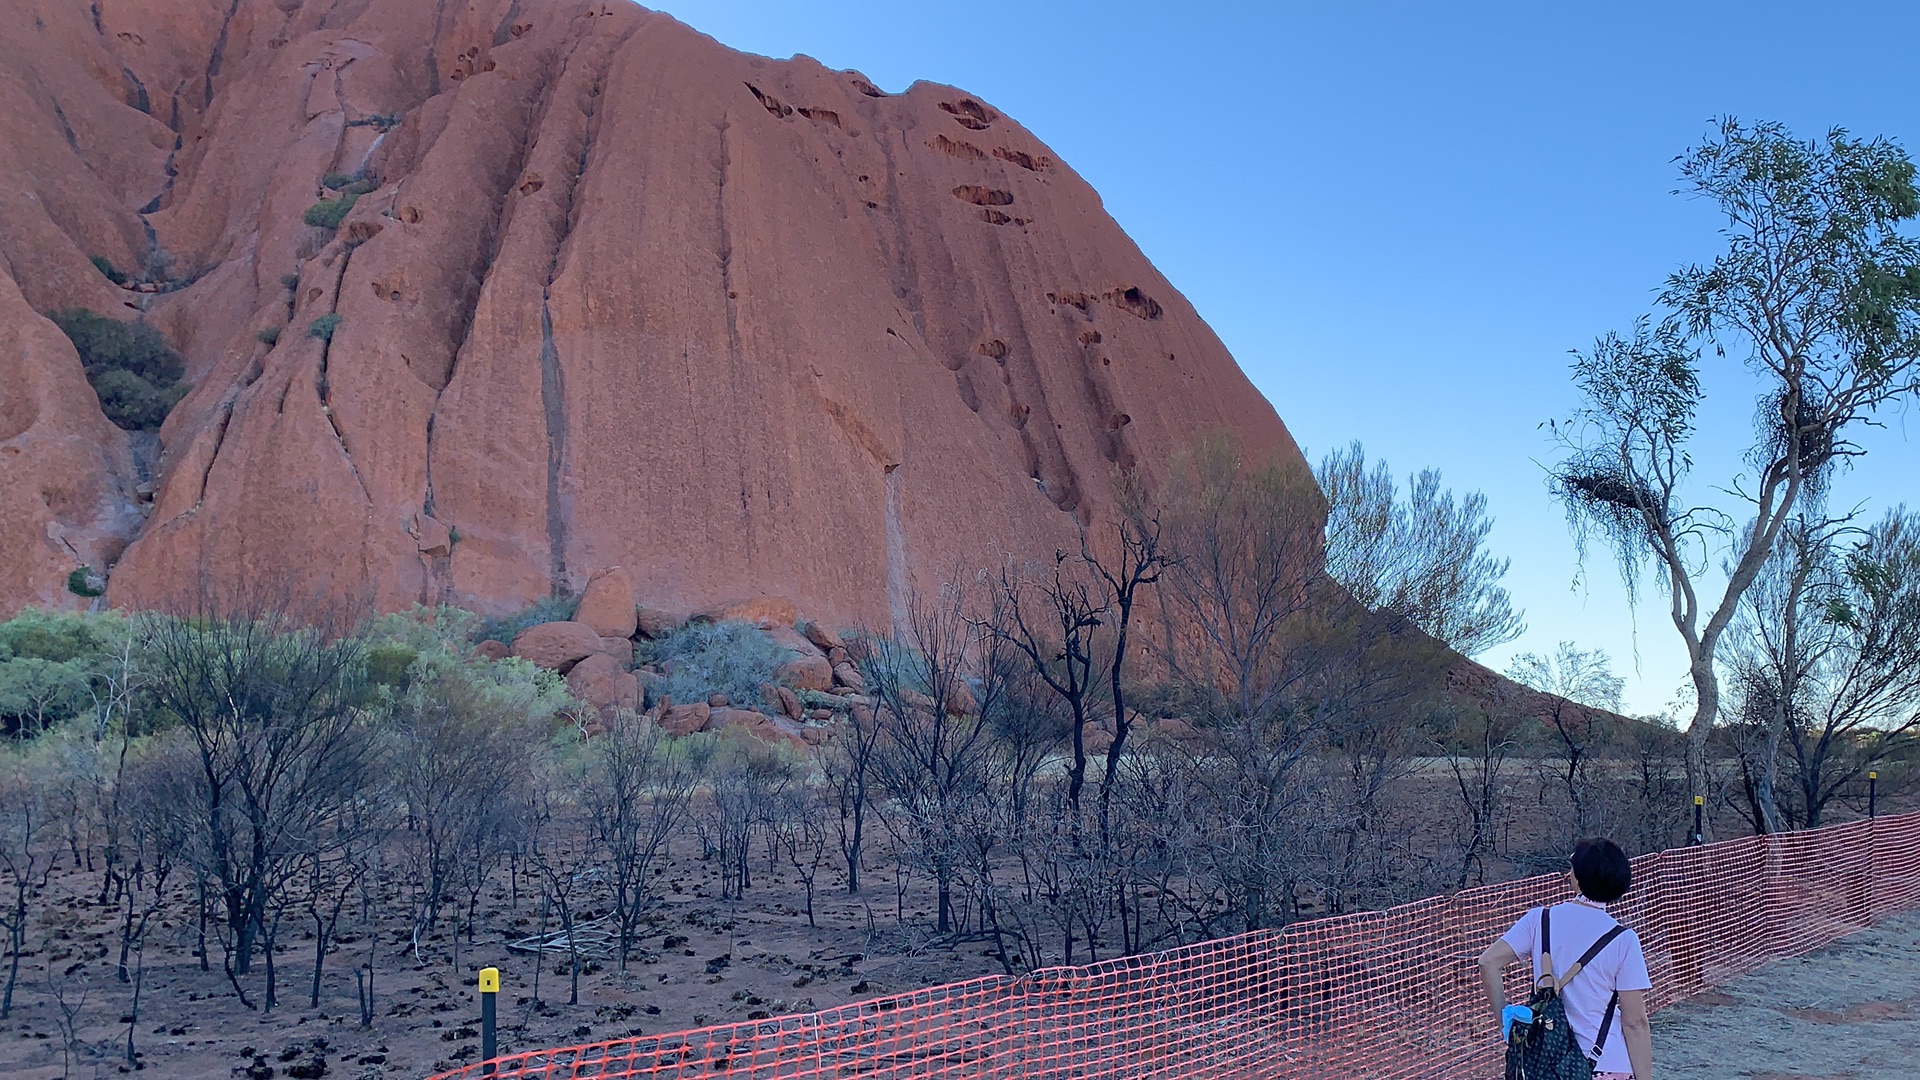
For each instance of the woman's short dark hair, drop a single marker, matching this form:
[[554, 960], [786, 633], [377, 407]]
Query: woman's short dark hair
[[1602, 869]]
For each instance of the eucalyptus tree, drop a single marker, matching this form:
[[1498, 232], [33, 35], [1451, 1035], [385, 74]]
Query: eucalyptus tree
[[1817, 297]]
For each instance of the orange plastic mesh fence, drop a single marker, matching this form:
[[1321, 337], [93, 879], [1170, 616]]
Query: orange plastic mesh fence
[[1382, 994]]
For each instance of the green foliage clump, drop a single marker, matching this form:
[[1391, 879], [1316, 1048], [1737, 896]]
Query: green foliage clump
[[49, 663], [108, 270], [349, 183], [268, 335], [80, 583], [389, 662], [329, 213], [507, 627], [440, 643], [137, 376], [290, 281], [323, 327], [705, 658]]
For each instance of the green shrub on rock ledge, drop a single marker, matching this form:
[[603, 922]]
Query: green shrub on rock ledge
[[323, 327], [80, 583], [329, 213], [136, 375]]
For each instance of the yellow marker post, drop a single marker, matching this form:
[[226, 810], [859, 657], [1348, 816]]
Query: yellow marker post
[[1699, 831], [489, 1036]]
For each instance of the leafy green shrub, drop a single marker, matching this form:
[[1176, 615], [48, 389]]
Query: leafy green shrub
[[108, 270], [334, 181], [269, 335], [133, 403], [132, 369], [324, 326], [507, 627], [705, 658], [329, 213], [389, 662], [290, 281], [80, 583], [56, 636]]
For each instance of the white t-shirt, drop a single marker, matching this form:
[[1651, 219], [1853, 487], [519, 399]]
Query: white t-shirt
[[1620, 966]]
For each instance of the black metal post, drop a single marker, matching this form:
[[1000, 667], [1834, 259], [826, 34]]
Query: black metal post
[[1699, 835], [489, 1033], [1873, 792]]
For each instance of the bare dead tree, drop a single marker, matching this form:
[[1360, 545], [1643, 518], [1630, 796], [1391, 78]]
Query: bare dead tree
[[1583, 696], [1050, 618], [24, 821], [273, 709], [636, 787], [936, 737], [1136, 561], [802, 828]]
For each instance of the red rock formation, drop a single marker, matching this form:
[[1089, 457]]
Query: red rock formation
[[622, 297]]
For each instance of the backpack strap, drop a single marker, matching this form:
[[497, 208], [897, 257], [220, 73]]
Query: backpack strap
[[1546, 947], [1586, 958], [1606, 1025]]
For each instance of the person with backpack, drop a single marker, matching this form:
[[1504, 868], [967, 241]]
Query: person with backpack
[[1587, 1015]]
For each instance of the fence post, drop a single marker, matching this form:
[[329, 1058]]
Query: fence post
[[1873, 791], [1698, 836], [489, 1034]]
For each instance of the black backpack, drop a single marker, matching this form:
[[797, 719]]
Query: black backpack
[[1547, 1048]]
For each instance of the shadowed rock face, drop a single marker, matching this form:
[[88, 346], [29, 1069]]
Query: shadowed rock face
[[622, 297]]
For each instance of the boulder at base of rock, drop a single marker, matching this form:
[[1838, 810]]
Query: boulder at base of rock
[[557, 645], [619, 648], [604, 683], [648, 680], [848, 675], [718, 701], [655, 624], [788, 638], [815, 736], [836, 657], [494, 650], [762, 611], [806, 673], [822, 636], [784, 700], [686, 719], [766, 728], [608, 605]]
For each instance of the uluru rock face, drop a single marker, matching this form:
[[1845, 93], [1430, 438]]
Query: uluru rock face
[[619, 297]]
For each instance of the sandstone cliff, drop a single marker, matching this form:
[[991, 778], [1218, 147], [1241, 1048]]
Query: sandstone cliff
[[617, 296]]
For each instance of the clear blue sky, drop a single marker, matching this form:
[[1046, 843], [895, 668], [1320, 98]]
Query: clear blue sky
[[1399, 217]]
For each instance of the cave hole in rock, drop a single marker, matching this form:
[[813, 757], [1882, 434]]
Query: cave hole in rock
[[1029, 162], [982, 195], [966, 151], [970, 113], [1134, 302], [772, 104]]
